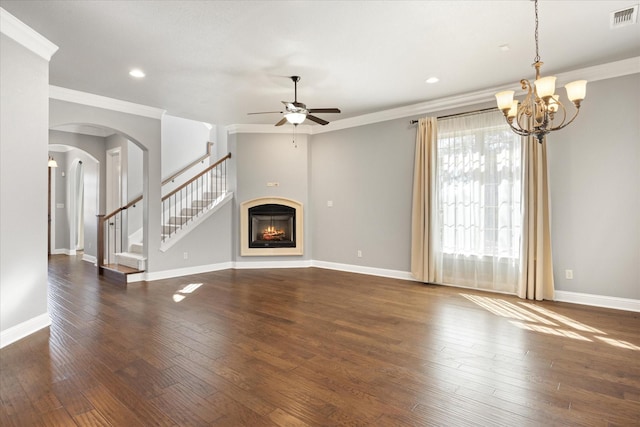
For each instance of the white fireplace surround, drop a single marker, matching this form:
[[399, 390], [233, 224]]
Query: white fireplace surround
[[245, 250]]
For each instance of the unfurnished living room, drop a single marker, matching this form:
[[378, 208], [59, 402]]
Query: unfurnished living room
[[319, 213]]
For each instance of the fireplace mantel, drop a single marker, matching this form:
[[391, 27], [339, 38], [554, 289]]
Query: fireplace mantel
[[245, 237]]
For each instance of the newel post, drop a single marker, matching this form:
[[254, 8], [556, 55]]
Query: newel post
[[100, 244]]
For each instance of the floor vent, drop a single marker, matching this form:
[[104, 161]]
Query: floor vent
[[620, 18]]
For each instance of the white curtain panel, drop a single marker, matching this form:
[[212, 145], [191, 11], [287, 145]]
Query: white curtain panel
[[477, 218]]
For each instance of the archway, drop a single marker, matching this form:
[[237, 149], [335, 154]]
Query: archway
[[83, 149]]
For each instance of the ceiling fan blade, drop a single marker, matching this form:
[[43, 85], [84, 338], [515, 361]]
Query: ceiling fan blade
[[324, 110], [266, 112], [282, 121], [317, 120]]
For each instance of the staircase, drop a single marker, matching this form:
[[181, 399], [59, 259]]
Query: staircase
[[134, 258], [182, 210]]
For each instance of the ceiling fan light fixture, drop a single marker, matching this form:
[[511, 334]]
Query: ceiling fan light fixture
[[295, 118]]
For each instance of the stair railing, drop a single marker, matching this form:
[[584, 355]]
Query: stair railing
[[110, 234], [190, 165], [191, 199]]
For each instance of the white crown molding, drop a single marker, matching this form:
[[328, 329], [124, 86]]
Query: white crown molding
[[17, 30], [15, 333], [254, 128], [409, 110], [591, 74], [91, 100], [597, 72], [609, 70]]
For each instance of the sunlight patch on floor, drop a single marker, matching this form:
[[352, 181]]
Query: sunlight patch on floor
[[619, 343], [532, 317], [187, 289]]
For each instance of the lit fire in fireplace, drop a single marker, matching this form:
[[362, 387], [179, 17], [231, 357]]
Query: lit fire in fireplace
[[271, 233]]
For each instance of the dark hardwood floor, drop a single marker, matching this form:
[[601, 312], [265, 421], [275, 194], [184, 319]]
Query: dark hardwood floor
[[298, 347]]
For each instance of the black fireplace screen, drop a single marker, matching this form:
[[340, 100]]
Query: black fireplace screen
[[272, 226]]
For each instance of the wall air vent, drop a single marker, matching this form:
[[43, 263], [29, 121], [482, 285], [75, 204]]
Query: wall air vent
[[620, 18]]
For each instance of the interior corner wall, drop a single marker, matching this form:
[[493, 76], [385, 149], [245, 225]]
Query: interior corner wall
[[24, 110], [260, 159], [59, 223], [183, 141], [594, 179]]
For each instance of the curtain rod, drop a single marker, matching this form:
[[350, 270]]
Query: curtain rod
[[413, 122]]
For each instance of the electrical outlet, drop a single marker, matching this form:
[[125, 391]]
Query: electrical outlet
[[186, 255], [330, 203], [359, 253], [568, 274]]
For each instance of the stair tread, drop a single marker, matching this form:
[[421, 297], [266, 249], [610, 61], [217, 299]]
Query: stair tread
[[122, 269], [131, 255]]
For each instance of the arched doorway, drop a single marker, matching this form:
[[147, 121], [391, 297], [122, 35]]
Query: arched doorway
[[85, 158]]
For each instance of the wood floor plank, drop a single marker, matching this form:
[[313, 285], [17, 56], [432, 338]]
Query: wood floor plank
[[314, 347]]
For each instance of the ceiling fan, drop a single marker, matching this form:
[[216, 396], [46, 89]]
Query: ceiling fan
[[297, 112]]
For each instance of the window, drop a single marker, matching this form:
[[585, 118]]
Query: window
[[478, 194]]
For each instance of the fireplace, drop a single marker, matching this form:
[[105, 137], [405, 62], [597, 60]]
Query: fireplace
[[271, 226]]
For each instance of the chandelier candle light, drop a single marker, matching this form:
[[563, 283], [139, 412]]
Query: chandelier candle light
[[536, 115]]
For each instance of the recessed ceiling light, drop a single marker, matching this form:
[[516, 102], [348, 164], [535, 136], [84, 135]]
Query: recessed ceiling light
[[432, 80], [136, 72], [504, 47]]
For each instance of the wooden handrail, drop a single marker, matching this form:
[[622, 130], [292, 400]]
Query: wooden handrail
[[190, 165], [127, 206], [228, 156]]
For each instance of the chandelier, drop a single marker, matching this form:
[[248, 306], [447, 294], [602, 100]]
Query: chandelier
[[541, 112]]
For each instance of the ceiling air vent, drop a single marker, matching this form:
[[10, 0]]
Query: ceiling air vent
[[623, 17]]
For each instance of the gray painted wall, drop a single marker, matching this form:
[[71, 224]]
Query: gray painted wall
[[91, 171], [209, 244], [595, 192], [91, 151], [24, 110], [262, 158], [367, 172], [183, 141], [59, 222], [134, 185]]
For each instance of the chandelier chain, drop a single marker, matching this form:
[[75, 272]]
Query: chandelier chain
[[537, 58]]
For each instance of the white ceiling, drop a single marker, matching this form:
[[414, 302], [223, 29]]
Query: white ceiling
[[216, 61]]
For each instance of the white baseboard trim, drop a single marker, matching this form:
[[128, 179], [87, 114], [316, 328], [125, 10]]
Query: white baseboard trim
[[68, 252], [627, 304], [561, 296], [24, 329], [372, 271], [245, 265], [170, 274], [89, 258]]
